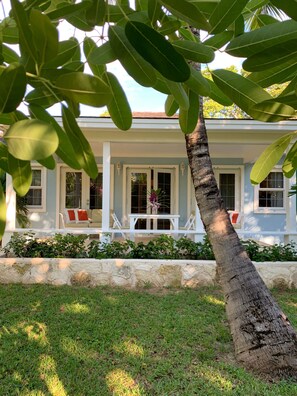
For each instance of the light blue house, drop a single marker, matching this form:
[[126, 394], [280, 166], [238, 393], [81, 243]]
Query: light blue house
[[152, 156]]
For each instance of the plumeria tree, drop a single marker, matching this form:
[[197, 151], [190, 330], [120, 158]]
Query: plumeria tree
[[157, 42]]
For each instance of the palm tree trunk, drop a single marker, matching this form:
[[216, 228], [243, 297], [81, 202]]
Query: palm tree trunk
[[264, 339]]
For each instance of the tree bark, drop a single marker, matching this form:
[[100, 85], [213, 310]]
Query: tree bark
[[263, 337]]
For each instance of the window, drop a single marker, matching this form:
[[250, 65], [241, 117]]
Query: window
[[35, 198], [270, 193], [228, 179]]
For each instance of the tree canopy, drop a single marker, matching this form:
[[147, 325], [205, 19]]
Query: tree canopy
[[154, 43]]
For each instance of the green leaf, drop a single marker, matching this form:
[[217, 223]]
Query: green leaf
[[21, 174], [154, 11], [198, 83], [271, 111], [84, 153], [84, 88], [134, 64], [12, 87], [48, 162], [274, 56], [156, 50], [2, 211], [275, 75], [102, 55], [68, 10], [225, 13], [196, 52], [3, 157], [179, 94], [288, 6], [290, 162], [66, 50], [171, 106], [9, 55], [161, 84], [219, 40], [9, 31], [119, 108], [65, 150], [31, 140], [217, 95], [25, 33], [89, 47], [187, 12], [269, 158], [45, 36], [188, 118], [268, 36], [241, 91], [116, 13], [43, 97], [97, 12]]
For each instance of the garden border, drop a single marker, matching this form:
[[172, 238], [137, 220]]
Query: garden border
[[132, 273]]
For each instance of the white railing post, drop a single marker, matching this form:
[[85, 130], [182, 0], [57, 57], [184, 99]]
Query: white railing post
[[290, 205], [10, 210], [199, 226], [106, 192]]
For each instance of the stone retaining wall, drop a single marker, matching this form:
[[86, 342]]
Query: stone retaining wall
[[132, 273]]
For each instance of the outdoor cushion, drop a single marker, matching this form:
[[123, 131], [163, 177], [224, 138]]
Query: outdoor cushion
[[70, 215], [82, 215]]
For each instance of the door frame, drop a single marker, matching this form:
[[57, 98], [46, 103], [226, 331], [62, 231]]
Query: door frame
[[126, 202]]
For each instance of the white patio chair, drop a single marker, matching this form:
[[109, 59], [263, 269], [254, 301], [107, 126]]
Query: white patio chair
[[235, 218], [117, 225], [190, 224]]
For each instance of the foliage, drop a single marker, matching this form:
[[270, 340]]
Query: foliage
[[162, 248], [38, 70], [103, 341]]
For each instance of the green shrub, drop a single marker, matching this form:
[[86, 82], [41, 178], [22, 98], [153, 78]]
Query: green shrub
[[163, 247]]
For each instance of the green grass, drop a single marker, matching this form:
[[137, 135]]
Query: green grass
[[82, 342]]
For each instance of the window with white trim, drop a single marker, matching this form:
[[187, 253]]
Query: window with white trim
[[35, 197], [270, 193]]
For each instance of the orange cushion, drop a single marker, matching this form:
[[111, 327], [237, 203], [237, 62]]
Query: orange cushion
[[71, 215], [82, 215], [234, 218]]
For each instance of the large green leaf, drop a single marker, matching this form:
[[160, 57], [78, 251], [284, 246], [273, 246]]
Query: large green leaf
[[169, 27], [31, 140], [69, 10], [187, 12], [97, 12], [9, 55], [194, 51], [288, 6], [119, 108], [276, 75], [102, 54], [3, 157], [44, 97], [156, 50], [9, 31], [25, 33], [246, 94], [65, 149], [171, 106], [2, 211], [219, 40], [84, 88], [217, 95], [268, 36], [134, 64], [271, 57], [48, 162], [271, 111], [290, 162], [269, 158], [45, 36], [84, 153], [179, 93], [12, 87], [89, 46], [21, 174], [198, 83], [188, 118], [154, 11], [225, 13], [66, 50]]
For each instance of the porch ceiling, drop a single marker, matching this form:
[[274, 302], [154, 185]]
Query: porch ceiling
[[245, 152]]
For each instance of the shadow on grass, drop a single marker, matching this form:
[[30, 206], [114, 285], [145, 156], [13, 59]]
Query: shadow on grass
[[81, 342]]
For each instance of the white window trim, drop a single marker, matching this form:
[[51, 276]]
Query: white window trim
[[42, 208], [278, 210]]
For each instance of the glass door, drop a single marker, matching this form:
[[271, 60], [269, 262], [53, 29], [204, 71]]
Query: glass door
[[139, 181], [229, 184]]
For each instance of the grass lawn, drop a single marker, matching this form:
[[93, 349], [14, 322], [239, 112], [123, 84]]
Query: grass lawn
[[80, 342]]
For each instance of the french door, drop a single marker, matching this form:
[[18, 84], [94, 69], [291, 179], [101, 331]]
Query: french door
[[228, 180], [140, 183], [78, 190]]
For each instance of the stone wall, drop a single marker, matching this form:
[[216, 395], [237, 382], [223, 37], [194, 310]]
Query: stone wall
[[132, 273]]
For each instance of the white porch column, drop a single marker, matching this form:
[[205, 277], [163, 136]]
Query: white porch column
[[106, 189], [290, 213], [10, 210], [199, 226]]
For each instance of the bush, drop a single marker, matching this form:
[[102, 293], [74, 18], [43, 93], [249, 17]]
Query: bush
[[163, 247]]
